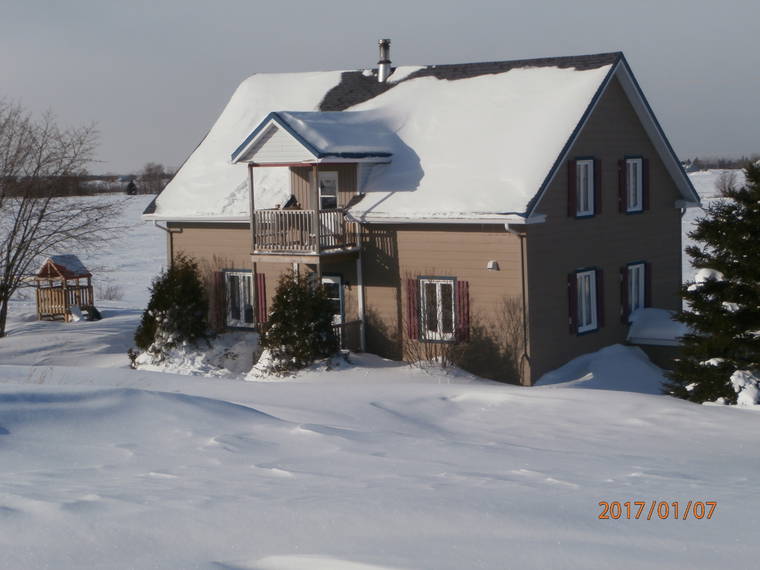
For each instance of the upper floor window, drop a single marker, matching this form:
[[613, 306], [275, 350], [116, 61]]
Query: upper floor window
[[328, 190], [584, 187], [634, 185]]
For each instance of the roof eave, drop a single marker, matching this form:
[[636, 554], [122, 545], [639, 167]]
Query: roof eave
[[197, 219], [368, 218]]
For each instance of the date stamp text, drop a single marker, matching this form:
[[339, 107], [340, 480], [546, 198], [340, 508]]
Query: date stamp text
[[676, 510]]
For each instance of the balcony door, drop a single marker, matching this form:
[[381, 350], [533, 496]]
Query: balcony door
[[328, 190], [329, 222]]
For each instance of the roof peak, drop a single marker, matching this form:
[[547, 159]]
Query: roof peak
[[356, 87]]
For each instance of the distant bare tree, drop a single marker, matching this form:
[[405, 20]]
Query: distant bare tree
[[152, 178], [35, 154], [726, 182]]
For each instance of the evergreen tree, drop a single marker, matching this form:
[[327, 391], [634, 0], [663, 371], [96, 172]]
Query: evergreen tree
[[299, 329], [723, 311], [177, 311]]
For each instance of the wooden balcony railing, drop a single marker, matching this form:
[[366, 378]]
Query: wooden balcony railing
[[293, 231]]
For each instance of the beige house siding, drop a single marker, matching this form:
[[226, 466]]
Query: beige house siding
[[608, 241], [300, 176], [219, 247], [214, 246], [394, 253]]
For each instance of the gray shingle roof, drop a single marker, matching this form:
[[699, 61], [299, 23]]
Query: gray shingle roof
[[355, 87]]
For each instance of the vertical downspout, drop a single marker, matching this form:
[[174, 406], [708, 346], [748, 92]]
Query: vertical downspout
[[169, 248], [360, 294], [252, 221], [252, 207], [314, 191], [169, 240], [525, 357]]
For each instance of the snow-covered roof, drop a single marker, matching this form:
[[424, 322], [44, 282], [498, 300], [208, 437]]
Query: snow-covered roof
[[68, 266], [468, 141], [655, 327], [326, 134]]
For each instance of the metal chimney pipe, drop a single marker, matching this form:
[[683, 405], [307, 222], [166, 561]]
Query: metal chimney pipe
[[384, 64]]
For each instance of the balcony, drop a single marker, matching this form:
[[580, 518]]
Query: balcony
[[303, 232]]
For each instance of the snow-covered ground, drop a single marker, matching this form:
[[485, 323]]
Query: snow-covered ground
[[706, 183], [372, 465]]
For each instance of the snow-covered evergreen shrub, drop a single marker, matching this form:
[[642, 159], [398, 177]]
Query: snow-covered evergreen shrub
[[299, 329], [723, 305], [747, 387], [177, 310]]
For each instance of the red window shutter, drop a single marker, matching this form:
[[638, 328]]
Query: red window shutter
[[599, 298], [572, 303], [463, 311], [597, 186], [413, 309], [624, 313], [622, 181], [645, 183], [647, 284], [218, 307], [261, 298], [572, 191]]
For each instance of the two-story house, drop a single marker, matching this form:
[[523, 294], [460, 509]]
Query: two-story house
[[516, 210]]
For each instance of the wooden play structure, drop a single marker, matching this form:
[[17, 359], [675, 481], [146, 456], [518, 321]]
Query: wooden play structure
[[64, 288]]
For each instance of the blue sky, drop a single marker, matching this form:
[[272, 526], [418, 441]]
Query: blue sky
[[154, 76]]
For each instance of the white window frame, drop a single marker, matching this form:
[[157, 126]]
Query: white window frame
[[328, 175], [584, 187], [243, 277], [636, 280], [586, 307], [437, 335], [634, 185], [338, 319]]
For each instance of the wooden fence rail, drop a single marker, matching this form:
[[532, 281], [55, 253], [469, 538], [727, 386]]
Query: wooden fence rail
[[349, 335], [57, 301]]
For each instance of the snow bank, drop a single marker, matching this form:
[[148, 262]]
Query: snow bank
[[655, 327], [311, 474], [615, 367], [225, 355]]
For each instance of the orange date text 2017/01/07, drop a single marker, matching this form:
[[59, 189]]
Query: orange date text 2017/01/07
[[676, 510]]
